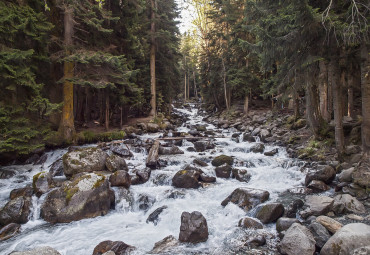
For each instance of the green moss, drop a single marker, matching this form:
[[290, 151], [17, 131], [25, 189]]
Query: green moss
[[36, 177], [293, 139], [92, 137], [70, 193], [99, 182], [222, 159]]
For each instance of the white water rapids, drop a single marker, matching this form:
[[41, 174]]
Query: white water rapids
[[127, 222]]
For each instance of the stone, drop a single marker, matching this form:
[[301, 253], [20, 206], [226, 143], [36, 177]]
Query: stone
[[317, 205], [56, 169], [362, 251], [320, 233], [85, 196], [201, 128], [15, 211], [121, 151], [115, 163], [256, 241], [345, 203], [329, 223], [32, 160], [318, 186], [38, 251], [22, 192], [347, 239], [9, 231], [169, 150], [141, 176], [201, 146], [164, 245], [355, 217], [283, 224], [120, 178], [258, 148], [208, 179], [264, 133], [152, 127], [247, 137], [145, 201], [271, 152], [241, 175], [188, 179], [118, 247], [361, 175], [84, 160], [246, 198], [154, 216], [193, 228], [199, 162], [223, 171], [42, 183], [270, 212], [6, 174], [325, 174], [293, 208], [248, 222], [346, 175], [222, 159], [297, 240]]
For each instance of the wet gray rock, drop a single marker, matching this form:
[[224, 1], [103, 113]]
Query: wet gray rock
[[169, 150], [270, 212], [9, 231], [121, 150], [318, 186], [248, 222], [118, 247], [345, 203], [199, 162], [293, 208], [42, 183], [283, 224], [258, 148], [114, 163], [246, 198], [325, 174], [241, 175], [15, 211], [22, 192], [255, 241], [165, 245], [193, 228], [271, 152], [86, 196], [297, 240], [223, 171], [188, 179], [247, 137], [145, 202], [201, 146], [320, 233], [346, 175], [154, 216], [6, 174], [347, 239], [330, 224], [206, 178], [56, 169], [38, 251], [317, 205], [152, 127], [120, 178], [84, 160], [222, 159], [362, 251], [141, 176]]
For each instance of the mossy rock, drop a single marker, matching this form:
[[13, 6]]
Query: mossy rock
[[299, 124], [222, 159]]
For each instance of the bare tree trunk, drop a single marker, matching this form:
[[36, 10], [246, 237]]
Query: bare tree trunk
[[365, 92], [246, 105], [188, 86], [312, 108], [195, 86], [66, 126], [121, 117], [330, 96], [334, 72], [225, 86], [185, 88], [350, 95], [107, 109], [153, 111], [323, 91]]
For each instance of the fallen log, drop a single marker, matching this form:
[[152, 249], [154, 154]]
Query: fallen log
[[152, 159]]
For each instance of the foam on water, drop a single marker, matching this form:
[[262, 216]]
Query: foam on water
[[127, 222]]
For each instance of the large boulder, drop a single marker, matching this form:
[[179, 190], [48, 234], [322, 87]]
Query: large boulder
[[16, 210], [361, 175], [201, 146], [165, 245], [56, 169], [9, 231], [347, 239], [38, 251], [115, 163], [120, 178], [169, 150], [193, 228], [346, 175], [118, 247], [141, 176], [297, 240], [86, 196], [248, 222], [188, 179], [241, 175], [283, 224], [84, 160], [325, 174], [270, 212], [246, 198], [330, 224], [320, 233], [22, 192], [222, 159], [317, 205], [258, 148], [318, 186], [223, 171], [152, 127], [345, 203], [42, 183]]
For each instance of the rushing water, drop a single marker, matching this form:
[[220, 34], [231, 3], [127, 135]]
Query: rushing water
[[127, 222]]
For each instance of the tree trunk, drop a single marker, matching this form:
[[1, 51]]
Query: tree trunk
[[153, 111], [225, 86], [295, 102], [195, 86], [246, 105], [121, 117], [323, 91], [312, 107], [66, 126], [87, 104], [334, 76], [350, 83], [365, 92], [107, 109]]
